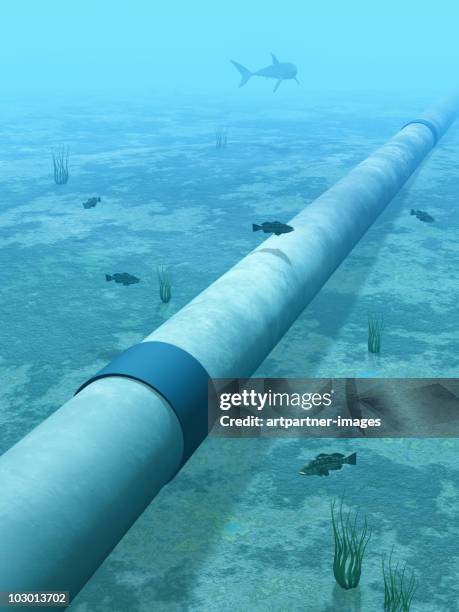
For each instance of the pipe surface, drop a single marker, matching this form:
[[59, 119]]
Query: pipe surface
[[74, 485], [233, 325]]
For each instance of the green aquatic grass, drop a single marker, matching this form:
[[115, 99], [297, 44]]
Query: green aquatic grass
[[375, 329], [220, 138], [165, 288], [398, 591], [350, 545], [61, 165]]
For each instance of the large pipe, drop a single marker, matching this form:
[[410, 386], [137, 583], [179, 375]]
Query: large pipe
[[74, 485]]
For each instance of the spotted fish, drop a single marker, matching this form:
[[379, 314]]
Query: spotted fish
[[323, 463]]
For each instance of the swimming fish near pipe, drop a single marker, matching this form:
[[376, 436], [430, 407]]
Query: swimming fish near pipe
[[273, 227], [323, 463], [91, 203], [422, 216], [124, 278]]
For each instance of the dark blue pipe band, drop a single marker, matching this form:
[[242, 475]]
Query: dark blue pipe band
[[175, 375], [428, 124]]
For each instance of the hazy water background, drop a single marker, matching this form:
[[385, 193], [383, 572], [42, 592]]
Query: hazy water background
[[136, 93]]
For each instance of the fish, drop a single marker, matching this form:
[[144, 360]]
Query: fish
[[91, 202], [323, 463], [272, 227], [422, 216], [124, 278], [281, 71]]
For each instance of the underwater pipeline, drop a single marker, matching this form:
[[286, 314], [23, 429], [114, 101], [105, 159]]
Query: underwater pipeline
[[72, 487]]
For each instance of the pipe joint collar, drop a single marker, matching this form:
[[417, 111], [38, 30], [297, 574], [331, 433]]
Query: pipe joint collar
[[432, 127], [177, 376]]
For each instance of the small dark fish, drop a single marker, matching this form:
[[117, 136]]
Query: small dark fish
[[422, 216], [123, 277], [273, 227], [323, 463], [91, 202]]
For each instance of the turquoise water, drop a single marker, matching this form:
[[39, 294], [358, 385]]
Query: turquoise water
[[238, 529]]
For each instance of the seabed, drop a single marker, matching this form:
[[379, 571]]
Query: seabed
[[238, 528]]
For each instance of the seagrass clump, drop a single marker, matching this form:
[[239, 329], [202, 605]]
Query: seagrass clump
[[398, 588], [375, 330], [221, 138], [165, 287], [350, 544], [61, 165]]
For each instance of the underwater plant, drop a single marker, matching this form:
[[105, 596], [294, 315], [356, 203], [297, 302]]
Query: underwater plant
[[165, 292], [349, 547], [61, 165], [375, 329], [220, 138], [398, 592]]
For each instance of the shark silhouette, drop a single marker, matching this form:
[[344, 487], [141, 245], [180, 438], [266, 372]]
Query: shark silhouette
[[281, 71]]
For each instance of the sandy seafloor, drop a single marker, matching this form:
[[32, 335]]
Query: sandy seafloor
[[238, 528]]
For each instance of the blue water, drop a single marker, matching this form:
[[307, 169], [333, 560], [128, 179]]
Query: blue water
[[238, 529]]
